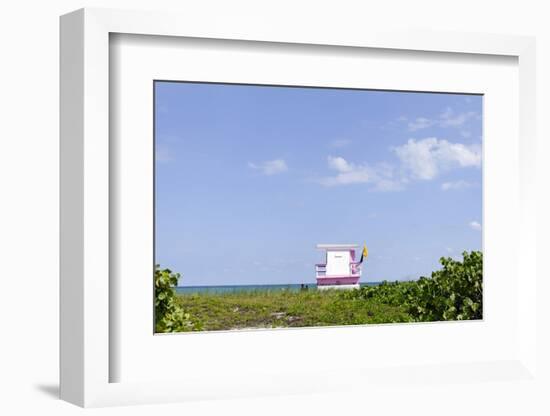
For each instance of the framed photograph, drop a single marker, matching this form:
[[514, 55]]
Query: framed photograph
[[240, 167], [286, 211]]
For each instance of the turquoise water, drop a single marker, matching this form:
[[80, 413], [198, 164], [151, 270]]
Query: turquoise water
[[251, 288]]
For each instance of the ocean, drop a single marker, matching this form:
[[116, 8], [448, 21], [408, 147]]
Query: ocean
[[251, 288]]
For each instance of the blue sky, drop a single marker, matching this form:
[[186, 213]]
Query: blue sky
[[250, 178]]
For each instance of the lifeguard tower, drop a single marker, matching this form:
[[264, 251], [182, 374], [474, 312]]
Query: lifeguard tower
[[340, 270]]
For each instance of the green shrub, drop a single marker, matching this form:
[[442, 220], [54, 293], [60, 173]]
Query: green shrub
[[169, 315], [453, 293]]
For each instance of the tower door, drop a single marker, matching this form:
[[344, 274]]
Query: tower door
[[338, 263]]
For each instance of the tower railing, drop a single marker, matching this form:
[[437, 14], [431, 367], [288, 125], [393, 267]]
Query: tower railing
[[321, 270]]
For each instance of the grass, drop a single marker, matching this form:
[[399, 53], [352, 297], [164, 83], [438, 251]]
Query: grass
[[454, 292], [284, 309]]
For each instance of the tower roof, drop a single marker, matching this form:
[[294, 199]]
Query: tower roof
[[336, 246]]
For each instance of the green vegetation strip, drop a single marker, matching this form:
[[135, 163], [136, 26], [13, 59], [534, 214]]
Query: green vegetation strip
[[281, 309], [453, 293]]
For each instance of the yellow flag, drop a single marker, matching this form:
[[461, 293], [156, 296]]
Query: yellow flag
[[364, 253]]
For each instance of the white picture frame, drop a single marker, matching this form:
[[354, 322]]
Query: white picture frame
[[86, 264], [137, 61]]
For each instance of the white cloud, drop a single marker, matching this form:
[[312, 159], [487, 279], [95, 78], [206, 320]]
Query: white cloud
[[270, 167], [446, 186], [425, 158], [380, 177], [340, 164], [474, 225], [339, 143], [448, 118], [348, 173], [420, 123], [422, 159]]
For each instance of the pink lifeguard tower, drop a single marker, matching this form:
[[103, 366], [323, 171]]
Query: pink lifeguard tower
[[340, 270]]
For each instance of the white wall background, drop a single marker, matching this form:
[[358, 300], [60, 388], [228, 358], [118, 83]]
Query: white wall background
[[29, 196]]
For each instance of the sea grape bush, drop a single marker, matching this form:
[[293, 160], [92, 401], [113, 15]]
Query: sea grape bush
[[169, 315], [453, 293]]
